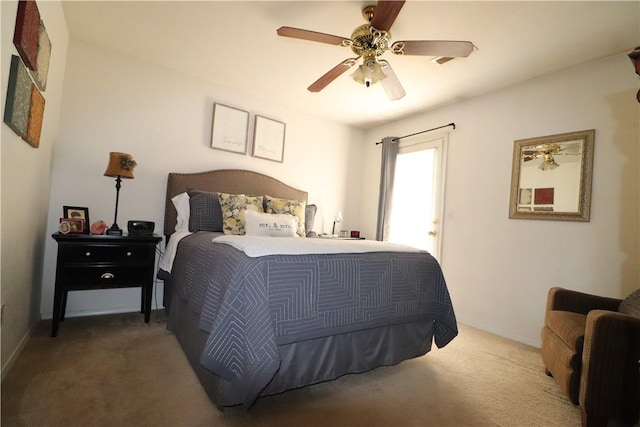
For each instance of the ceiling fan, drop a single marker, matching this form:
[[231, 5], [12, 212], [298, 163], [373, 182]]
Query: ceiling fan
[[547, 152], [370, 41]]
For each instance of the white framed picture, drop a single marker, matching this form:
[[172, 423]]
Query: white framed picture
[[268, 139], [229, 129]]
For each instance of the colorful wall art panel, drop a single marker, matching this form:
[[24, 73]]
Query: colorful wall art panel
[[18, 104], [27, 32], [42, 59], [24, 108], [36, 112]]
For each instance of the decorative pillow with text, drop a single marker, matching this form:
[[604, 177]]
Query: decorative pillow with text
[[270, 225]]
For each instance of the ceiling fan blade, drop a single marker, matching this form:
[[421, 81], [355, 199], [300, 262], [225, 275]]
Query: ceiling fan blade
[[391, 84], [571, 147], [385, 14], [313, 36], [331, 75], [446, 48]]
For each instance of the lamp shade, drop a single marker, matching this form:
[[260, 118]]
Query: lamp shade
[[120, 164]]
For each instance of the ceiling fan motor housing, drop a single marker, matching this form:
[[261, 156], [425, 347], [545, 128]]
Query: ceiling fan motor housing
[[367, 41]]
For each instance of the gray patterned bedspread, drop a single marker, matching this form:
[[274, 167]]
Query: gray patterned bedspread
[[249, 306]]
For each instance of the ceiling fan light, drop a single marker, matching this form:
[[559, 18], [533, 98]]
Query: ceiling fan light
[[358, 75], [368, 73], [391, 84], [548, 163]]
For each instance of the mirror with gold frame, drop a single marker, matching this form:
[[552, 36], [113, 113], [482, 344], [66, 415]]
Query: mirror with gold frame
[[551, 177]]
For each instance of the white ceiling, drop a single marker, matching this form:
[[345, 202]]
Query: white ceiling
[[234, 43]]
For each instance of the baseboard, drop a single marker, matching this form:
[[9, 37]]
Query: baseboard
[[14, 356], [501, 333], [100, 312]]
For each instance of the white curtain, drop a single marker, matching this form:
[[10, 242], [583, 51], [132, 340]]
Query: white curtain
[[387, 172]]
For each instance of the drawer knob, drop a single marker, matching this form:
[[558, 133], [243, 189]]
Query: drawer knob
[[128, 253], [107, 276], [87, 253]]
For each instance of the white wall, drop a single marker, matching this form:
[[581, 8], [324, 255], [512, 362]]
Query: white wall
[[114, 102], [25, 181], [499, 270]]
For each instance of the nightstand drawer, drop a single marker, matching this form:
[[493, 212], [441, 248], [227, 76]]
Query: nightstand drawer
[[106, 253], [92, 277]]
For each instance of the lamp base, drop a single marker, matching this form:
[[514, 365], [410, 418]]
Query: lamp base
[[114, 231]]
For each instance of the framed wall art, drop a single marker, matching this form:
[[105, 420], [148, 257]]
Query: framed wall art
[[230, 129], [78, 213], [268, 139]]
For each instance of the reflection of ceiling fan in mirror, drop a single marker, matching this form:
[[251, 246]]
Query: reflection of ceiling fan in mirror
[[548, 151], [370, 41]]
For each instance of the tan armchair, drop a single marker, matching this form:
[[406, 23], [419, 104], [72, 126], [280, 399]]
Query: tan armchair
[[593, 353]]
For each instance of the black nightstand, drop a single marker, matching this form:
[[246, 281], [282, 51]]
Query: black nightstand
[[102, 262]]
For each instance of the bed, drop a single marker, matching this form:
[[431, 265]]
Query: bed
[[259, 315]]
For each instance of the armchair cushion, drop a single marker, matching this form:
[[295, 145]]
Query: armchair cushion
[[631, 304], [568, 326]]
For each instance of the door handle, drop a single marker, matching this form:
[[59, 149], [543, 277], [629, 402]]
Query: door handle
[[107, 276]]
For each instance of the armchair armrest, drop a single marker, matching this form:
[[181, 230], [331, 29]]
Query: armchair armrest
[[610, 379], [578, 302]]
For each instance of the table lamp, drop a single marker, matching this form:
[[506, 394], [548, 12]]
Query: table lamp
[[120, 166], [337, 218]]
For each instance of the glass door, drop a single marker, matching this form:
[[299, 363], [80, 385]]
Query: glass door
[[417, 202]]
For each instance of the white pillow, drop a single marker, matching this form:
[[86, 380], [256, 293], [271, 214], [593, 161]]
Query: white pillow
[[270, 225], [181, 202]]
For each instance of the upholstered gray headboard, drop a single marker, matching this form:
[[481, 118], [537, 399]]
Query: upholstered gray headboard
[[233, 181]]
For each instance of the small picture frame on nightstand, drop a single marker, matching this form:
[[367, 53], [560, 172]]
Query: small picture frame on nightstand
[[75, 213], [72, 226]]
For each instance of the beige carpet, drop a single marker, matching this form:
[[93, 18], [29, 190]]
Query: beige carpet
[[113, 371]]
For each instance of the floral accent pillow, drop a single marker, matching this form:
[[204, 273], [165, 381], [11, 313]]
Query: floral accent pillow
[[234, 207], [296, 208]]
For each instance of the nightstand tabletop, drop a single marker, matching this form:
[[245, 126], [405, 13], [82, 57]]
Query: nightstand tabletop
[[96, 238]]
